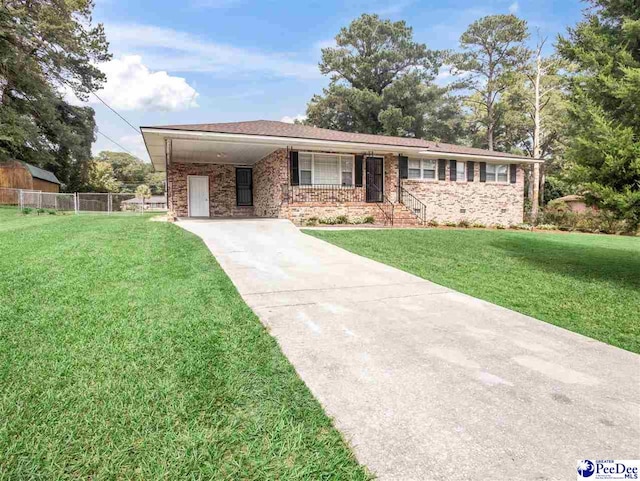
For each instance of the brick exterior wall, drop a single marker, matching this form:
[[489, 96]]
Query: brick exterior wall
[[222, 189], [484, 202], [269, 175], [476, 201]]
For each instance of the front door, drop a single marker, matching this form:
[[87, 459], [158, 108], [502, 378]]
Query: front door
[[374, 179], [198, 196], [244, 186]]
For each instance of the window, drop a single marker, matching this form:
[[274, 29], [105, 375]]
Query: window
[[422, 169], [460, 170], [347, 170], [414, 169], [325, 169], [497, 173], [304, 166]]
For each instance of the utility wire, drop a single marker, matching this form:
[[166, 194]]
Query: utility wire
[[115, 112], [116, 143]]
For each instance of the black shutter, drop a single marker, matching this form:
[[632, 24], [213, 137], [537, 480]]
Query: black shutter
[[442, 169], [403, 163], [358, 172], [453, 174], [293, 168], [470, 171], [483, 171], [513, 173]]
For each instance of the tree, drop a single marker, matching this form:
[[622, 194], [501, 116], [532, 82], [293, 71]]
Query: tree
[[128, 170], [156, 182], [604, 116], [538, 110], [381, 83], [143, 192], [492, 49], [46, 48], [102, 179]]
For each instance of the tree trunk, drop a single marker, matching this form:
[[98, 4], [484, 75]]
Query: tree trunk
[[537, 135]]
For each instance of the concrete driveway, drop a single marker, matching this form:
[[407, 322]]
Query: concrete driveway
[[424, 382]]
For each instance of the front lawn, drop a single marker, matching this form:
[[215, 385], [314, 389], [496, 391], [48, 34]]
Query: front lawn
[[127, 353], [585, 283]]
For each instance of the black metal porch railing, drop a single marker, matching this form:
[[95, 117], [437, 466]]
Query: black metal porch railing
[[386, 206], [330, 193], [417, 207]]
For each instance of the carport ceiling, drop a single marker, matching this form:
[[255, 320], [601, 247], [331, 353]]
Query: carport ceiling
[[209, 151]]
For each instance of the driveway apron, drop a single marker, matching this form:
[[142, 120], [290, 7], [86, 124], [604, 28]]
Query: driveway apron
[[424, 382]]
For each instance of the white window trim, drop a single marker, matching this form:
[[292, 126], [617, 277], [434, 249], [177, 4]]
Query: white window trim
[[495, 175], [422, 178], [339, 163]]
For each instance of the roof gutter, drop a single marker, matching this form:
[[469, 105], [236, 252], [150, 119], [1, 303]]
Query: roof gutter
[[334, 145]]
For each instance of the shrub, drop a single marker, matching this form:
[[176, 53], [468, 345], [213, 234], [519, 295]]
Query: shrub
[[311, 221], [478, 225], [368, 220], [27, 210], [342, 219], [40, 211], [464, 223], [433, 223], [546, 227], [450, 223], [557, 213], [523, 226], [500, 227], [52, 212], [362, 220]]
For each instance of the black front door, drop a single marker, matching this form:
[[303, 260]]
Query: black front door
[[374, 179], [244, 186]]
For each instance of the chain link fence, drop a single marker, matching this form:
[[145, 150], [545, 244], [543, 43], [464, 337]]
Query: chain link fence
[[78, 203]]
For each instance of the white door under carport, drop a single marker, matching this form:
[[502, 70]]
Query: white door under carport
[[198, 186]]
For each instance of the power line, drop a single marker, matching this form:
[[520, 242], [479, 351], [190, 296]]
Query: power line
[[115, 112], [116, 143]]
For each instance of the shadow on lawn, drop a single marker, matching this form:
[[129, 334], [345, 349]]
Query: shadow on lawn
[[585, 262]]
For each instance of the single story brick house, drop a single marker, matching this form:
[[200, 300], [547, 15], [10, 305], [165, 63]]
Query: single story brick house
[[274, 169]]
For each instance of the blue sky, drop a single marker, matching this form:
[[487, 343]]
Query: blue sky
[[228, 60]]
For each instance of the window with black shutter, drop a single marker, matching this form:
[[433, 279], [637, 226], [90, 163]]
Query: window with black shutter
[[470, 171], [442, 169], [294, 172], [483, 171], [452, 171], [403, 163], [358, 170], [513, 174]]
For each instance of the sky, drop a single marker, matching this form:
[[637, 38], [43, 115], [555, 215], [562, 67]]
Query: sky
[[203, 61]]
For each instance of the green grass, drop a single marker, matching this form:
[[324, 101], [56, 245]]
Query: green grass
[[585, 283], [127, 353]]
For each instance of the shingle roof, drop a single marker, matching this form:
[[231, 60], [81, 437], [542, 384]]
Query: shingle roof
[[274, 128], [42, 174]]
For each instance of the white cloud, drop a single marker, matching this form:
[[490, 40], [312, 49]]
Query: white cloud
[[514, 7], [177, 51], [291, 120], [131, 85]]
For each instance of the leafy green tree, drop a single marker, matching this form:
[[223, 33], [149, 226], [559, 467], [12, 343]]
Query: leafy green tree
[[492, 50], [382, 83], [47, 47], [155, 181], [143, 192], [604, 146], [128, 170], [101, 178]]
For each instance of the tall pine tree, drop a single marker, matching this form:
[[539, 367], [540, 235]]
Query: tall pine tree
[[605, 118]]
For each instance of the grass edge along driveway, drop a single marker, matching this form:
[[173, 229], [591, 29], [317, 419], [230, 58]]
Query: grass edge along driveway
[[585, 283], [127, 353]]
